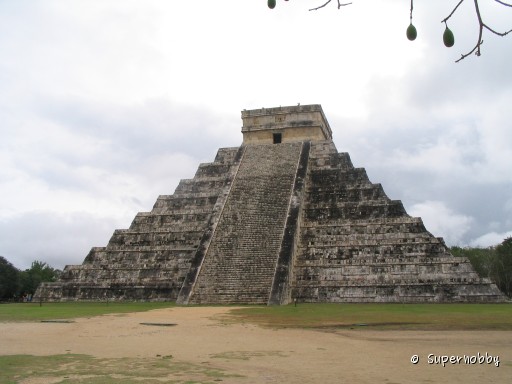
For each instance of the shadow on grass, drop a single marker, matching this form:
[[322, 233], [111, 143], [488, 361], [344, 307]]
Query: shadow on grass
[[379, 316]]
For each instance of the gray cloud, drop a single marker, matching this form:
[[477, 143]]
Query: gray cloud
[[54, 238], [104, 108]]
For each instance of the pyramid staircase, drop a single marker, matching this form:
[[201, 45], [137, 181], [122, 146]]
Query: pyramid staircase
[[241, 261]]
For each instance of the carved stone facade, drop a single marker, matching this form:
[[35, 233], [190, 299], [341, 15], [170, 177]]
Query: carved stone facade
[[283, 217]]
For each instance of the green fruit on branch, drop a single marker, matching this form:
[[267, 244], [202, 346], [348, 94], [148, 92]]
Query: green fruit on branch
[[448, 38], [411, 32], [271, 4]]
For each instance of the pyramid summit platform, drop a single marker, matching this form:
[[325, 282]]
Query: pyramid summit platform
[[283, 217]]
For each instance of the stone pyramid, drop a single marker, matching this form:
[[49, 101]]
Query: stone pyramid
[[282, 217]]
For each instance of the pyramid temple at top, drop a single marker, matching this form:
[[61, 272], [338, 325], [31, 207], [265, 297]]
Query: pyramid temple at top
[[282, 217]]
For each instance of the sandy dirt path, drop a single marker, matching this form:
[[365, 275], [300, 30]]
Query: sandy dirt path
[[269, 356]]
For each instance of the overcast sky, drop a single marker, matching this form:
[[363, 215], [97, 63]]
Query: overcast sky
[[106, 104]]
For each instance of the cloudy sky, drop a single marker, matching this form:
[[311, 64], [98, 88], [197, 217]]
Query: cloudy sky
[[106, 104]]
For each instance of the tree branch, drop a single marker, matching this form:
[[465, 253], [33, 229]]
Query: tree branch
[[451, 14], [503, 3], [327, 2], [342, 4], [480, 32], [496, 33], [481, 26]]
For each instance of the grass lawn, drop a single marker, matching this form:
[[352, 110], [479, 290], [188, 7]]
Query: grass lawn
[[359, 316], [68, 310], [381, 316], [84, 369], [70, 368]]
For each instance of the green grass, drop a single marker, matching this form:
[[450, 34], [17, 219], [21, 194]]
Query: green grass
[[66, 369], [84, 369], [69, 310], [380, 316], [376, 316]]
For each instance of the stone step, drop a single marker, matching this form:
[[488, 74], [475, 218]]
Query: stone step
[[409, 292], [354, 211], [187, 187], [184, 204], [242, 257]]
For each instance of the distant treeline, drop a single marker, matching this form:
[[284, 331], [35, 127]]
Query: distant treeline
[[16, 285], [492, 262]]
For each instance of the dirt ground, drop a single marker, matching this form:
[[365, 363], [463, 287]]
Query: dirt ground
[[260, 355]]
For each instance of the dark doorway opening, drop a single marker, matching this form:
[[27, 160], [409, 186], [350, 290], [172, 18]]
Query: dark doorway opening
[[277, 138]]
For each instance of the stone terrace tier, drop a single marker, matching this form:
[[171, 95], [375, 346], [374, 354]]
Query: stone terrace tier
[[357, 245]]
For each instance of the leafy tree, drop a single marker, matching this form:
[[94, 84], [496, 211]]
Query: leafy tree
[[448, 36], [481, 258], [38, 272], [502, 267], [494, 263], [9, 279]]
